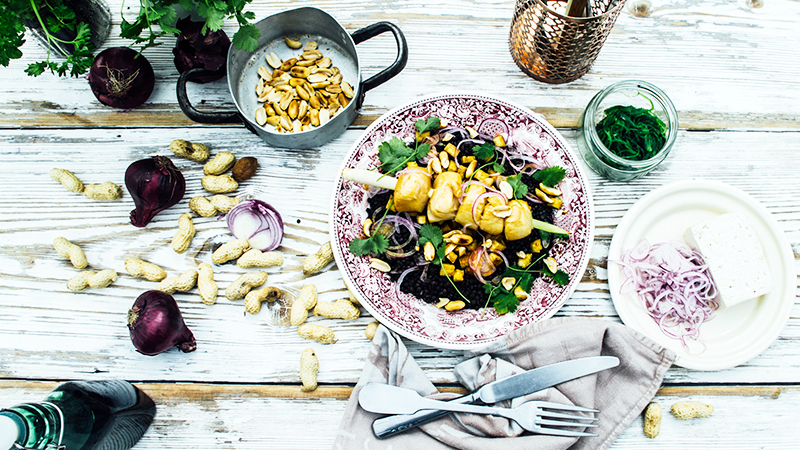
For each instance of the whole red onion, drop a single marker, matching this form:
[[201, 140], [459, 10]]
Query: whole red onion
[[156, 325], [155, 184], [195, 49], [122, 78]]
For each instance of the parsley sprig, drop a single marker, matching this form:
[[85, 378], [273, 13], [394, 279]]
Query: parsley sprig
[[395, 154], [376, 244], [163, 14], [54, 17]]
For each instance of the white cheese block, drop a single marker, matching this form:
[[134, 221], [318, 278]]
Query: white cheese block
[[734, 256]]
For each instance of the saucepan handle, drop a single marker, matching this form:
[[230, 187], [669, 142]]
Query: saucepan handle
[[194, 114], [388, 73]]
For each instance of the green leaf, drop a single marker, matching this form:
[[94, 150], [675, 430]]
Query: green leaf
[[484, 151], [394, 154], [433, 234], [430, 124], [246, 38], [560, 277], [520, 188], [36, 69], [550, 176], [497, 167], [373, 245]]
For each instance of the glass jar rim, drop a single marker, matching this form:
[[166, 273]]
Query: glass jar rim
[[659, 96]]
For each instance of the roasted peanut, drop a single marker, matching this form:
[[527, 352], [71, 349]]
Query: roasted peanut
[[316, 262], [103, 191], [202, 207], [239, 288], [340, 309], [139, 268], [210, 207], [67, 179], [254, 299], [70, 251], [690, 410], [256, 258], [369, 332], [90, 279], [229, 251], [223, 203], [304, 302], [206, 285], [189, 150], [652, 420], [309, 367], [220, 163], [292, 43], [185, 234], [319, 333], [184, 282], [219, 184]]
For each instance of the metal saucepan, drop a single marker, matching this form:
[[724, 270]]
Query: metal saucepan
[[334, 41]]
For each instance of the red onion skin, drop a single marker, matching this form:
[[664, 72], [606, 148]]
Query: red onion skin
[[115, 81], [156, 325], [155, 184], [194, 49]]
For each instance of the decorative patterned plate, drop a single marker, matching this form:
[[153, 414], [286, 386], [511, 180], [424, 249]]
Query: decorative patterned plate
[[412, 317]]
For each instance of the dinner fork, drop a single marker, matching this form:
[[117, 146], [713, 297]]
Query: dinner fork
[[533, 416]]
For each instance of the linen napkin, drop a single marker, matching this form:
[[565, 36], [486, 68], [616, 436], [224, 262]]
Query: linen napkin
[[620, 393]]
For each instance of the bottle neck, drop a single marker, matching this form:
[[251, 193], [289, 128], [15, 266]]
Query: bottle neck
[[39, 425]]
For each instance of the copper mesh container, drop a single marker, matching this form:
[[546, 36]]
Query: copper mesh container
[[554, 48]]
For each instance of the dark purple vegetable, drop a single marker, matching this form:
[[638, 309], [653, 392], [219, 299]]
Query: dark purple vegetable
[[155, 184], [194, 49], [121, 78], [258, 222], [156, 325]]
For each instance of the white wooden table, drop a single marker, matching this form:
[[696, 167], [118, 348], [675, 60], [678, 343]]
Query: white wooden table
[[730, 67]]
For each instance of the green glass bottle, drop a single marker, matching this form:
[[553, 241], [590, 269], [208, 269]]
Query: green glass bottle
[[80, 415]]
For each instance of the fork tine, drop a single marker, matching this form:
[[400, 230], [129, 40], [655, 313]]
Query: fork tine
[[558, 423], [556, 432], [555, 415], [551, 405]]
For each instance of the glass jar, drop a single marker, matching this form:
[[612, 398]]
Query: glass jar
[[640, 94]]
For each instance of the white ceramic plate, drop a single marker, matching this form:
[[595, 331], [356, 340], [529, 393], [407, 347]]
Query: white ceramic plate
[[734, 335], [414, 318]]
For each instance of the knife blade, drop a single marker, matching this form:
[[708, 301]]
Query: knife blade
[[525, 383]]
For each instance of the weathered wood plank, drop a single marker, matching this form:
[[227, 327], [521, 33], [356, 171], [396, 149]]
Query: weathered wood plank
[[79, 334], [725, 65], [257, 417]]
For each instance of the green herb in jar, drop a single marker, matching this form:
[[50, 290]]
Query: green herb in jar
[[632, 133]]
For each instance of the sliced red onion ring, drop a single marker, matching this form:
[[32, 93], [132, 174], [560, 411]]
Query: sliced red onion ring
[[258, 222], [674, 285]]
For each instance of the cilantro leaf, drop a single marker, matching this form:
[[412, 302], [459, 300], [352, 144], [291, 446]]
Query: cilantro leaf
[[246, 37], [373, 245], [497, 167], [550, 176], [505, 302], [560, 277], [430, 233], [431, 124], [433, 234], [394, 154], [484, 151], [520, 188]]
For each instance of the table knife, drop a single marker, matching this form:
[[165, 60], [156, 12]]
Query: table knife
[[514, 386]]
